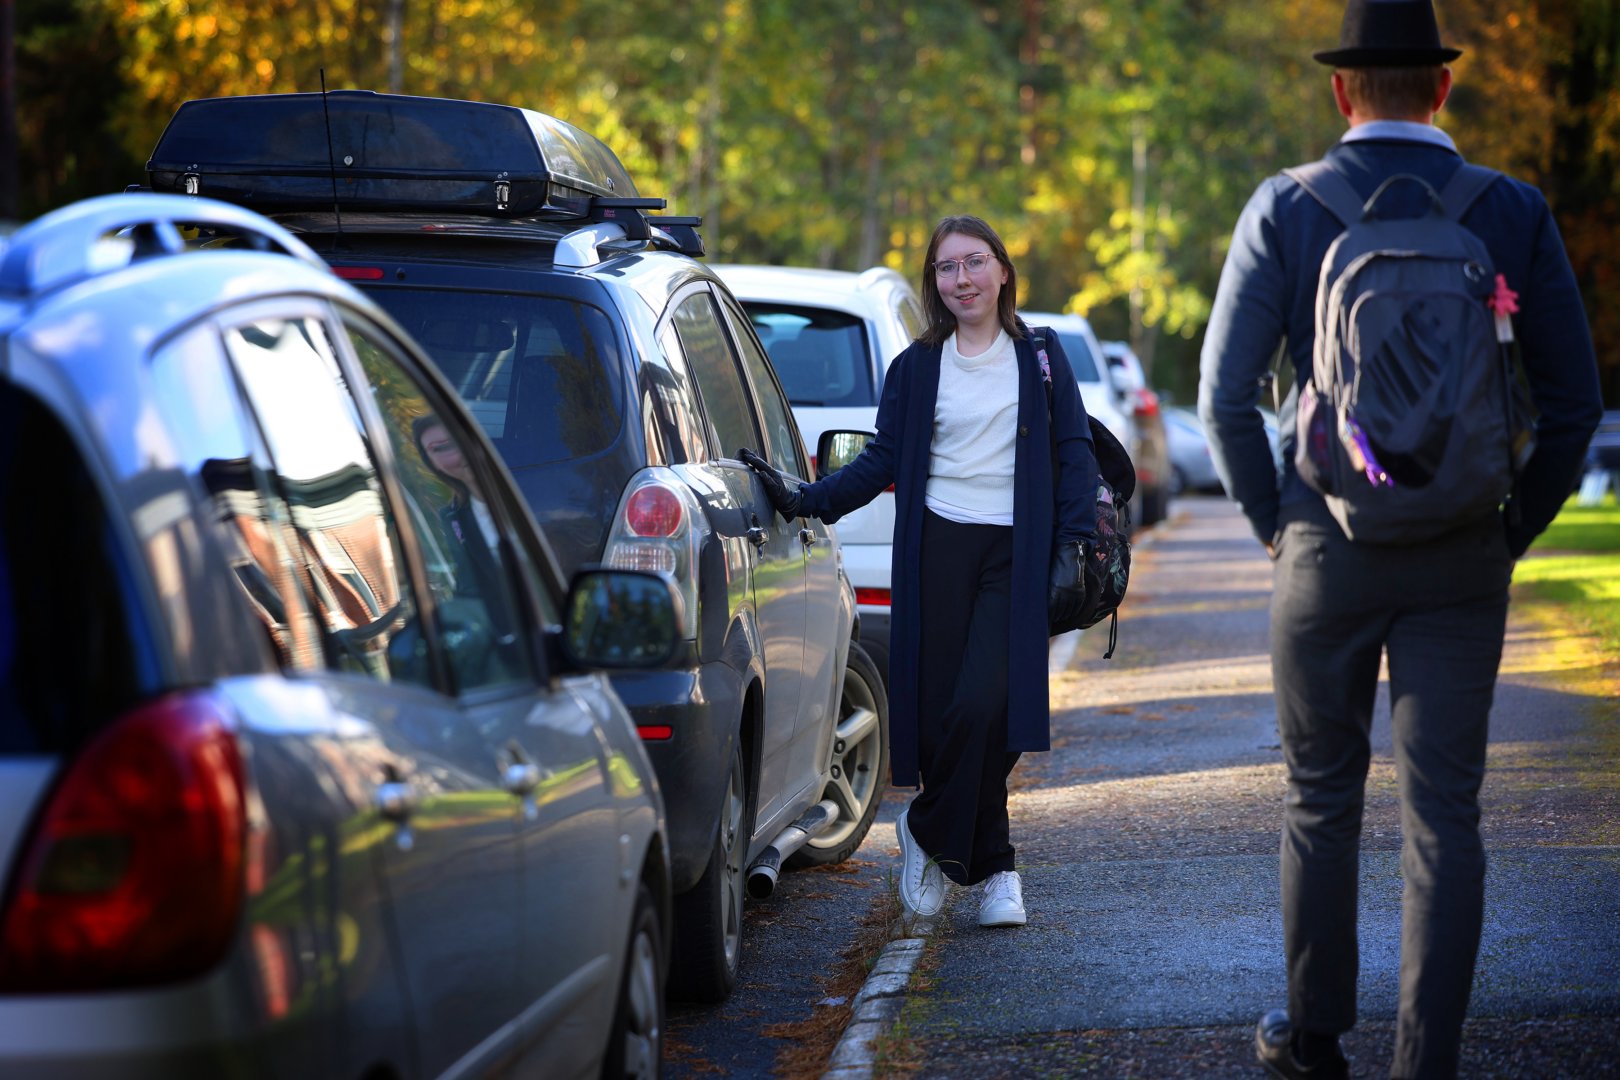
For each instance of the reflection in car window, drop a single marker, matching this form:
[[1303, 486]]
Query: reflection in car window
[[474, 594], [698, 326], [822, 356], [780, 435], [541, 375], [193, 387], [347, 538], [676, 400]]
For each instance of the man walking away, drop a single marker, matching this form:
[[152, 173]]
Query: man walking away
[[1435, 598]]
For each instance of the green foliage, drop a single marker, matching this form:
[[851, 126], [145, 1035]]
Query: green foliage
[[1112, 142]]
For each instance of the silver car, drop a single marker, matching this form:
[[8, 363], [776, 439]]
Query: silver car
[[304, 766]]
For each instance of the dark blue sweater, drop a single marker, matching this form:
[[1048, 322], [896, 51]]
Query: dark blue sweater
[[1267, 296]]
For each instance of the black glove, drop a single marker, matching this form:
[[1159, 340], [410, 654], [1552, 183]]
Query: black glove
[[786, 499], [1066, 595]]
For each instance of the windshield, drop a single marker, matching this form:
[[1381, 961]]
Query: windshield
[[821, 356], [541, 374]]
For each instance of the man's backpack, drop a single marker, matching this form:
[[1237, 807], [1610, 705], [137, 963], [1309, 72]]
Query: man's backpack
[[1413, 420], [1116, 482]]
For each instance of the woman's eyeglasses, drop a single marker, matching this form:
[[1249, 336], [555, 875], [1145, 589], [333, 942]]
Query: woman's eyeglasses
[[975, 262]]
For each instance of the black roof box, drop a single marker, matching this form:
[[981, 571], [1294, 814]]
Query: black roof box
[[272, 152]]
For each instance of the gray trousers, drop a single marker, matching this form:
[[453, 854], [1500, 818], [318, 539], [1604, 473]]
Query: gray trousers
[[1439, 610]]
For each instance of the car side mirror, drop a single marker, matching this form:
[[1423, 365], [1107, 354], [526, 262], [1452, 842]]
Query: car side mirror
[[838, 448], [620, 619]]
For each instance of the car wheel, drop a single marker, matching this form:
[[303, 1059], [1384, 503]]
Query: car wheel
[[708, 918], [636, 1044], [1178, 481], [860, 765]]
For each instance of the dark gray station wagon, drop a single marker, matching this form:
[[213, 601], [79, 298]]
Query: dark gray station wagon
[[617, 377]]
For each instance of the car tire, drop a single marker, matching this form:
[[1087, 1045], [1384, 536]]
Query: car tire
[[1178, 481], [708, 917], [860, 764], [636, 1042]]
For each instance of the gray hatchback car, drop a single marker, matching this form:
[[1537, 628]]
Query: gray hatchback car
[[305, 768]]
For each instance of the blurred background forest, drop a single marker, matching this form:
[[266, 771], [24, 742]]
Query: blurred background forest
[[1112, 142]]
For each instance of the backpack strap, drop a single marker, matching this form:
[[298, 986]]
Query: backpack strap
[[1333, 191], [1466, 184]]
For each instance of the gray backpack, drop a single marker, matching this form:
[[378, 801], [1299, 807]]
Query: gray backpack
[[1413, 420]]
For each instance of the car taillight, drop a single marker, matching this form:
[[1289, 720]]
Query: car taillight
[[358, 273], [1147, 403], [133, 873], [879, 597], [660, 528], [653, 511]]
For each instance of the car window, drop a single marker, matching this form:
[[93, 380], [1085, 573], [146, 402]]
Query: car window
[[674, 398], [347, 539], [822, 356], [221, 450], [781, 437], [476, 595], [725, 398], [1081, 359], [542, 375], [84, 617]]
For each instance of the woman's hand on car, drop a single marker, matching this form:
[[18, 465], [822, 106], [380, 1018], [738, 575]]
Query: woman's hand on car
[[784, 497]]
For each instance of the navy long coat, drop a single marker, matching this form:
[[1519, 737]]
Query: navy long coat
[[1043, 514]]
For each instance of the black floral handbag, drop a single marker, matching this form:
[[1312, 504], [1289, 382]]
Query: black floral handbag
[[1108, 564]]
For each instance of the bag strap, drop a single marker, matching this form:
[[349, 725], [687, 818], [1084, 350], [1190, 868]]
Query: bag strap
[[1324, 184], [1466, 184]]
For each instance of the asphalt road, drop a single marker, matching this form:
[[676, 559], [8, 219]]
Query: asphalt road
[[1148, 844]]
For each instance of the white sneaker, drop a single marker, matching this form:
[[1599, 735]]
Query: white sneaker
[[1003, 903], [922, 886]]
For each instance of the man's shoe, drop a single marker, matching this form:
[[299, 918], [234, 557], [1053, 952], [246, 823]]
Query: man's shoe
[[1003, 903], [922, 886], [1274, 1046]]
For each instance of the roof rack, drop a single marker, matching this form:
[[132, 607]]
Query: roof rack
[[364, 151], [100, 234]]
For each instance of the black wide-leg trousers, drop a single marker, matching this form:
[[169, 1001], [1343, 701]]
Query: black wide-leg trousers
[[960, 817], [1438, 610]]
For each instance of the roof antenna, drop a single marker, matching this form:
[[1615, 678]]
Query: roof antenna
[[331, 160]]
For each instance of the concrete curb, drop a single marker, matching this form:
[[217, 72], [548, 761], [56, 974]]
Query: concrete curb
[[878, 1004]]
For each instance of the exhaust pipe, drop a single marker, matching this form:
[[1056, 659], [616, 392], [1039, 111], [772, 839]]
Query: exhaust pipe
[[763, 874]]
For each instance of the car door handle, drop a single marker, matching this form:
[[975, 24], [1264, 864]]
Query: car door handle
[[756, 533], [395, 800], [521, 777], [808, 537]]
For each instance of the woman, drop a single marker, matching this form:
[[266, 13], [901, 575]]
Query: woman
[[987, 547]]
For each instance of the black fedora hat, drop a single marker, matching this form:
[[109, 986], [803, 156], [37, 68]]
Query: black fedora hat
[[1388, 33]]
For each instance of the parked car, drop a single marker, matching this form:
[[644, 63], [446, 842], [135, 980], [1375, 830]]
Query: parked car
[[1192, 469], [617, 377], [831, 335], [1150, 449], [296, 778], [1097, 390]]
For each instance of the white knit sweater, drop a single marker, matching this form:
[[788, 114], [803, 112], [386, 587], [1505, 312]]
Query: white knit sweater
[[970, 474]]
